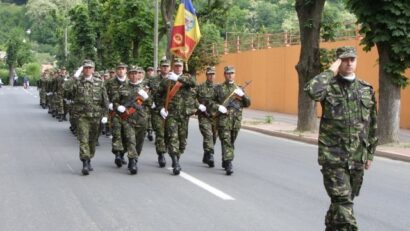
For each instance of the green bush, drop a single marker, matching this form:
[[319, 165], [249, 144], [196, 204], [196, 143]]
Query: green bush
[[4, 76]]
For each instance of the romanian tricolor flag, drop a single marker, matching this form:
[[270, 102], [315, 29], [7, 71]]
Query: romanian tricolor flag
[[185, 33]]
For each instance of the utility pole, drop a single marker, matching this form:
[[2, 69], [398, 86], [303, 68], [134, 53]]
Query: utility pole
[[156, 35]]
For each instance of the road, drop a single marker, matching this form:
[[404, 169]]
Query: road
[[277, 184]]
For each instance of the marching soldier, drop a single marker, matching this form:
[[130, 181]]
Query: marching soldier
[[130, 101], [347, 135], [229, 101], [91, 101], [118, 138], [150, 74], [156, 119], [171, 99], [207, 123]]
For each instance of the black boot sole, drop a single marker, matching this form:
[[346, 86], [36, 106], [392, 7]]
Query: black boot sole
[[118, 162], [85, 172]]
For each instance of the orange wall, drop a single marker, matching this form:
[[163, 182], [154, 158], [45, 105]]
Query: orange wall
[[275, 81]]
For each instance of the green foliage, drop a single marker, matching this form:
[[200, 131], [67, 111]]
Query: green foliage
[[18, 52], [327, 57], [386, 23], [12, 17], [268, 119]]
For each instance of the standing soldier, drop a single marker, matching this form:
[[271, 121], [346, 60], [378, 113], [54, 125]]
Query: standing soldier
[[60, 94], [207, 123], [42, 89], [150, 74], [347, 135], [130, 101], [90, 100], [156, 119], [229, 101], [118, 138], [171, 101]]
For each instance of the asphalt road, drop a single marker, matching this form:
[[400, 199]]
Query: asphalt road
[[277, 184]]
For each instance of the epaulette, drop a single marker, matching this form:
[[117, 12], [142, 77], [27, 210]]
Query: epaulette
[[365, 83]]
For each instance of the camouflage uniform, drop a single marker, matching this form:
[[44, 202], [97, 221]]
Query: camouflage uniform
[[134, 126], [118, 137], [91, 102], [207, 123], [176, 121], [69, 99], [59, 98], [42, 90], [229, 123], [347, 139], [156, 120]]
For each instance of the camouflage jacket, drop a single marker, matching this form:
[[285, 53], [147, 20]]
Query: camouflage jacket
[[234, 104], [205, 94], [177, 107], [112, 86], [348, 125], [126, 96], [153, 83], [90, 97]]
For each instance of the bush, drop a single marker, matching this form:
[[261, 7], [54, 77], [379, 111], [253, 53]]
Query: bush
[[4, 76]]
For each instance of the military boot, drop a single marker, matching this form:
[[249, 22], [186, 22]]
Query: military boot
[[132, 166], [65, 117], [90, 168], [211, 161], [122, 158], [175, 165], [205, 158], [54, 113], [149, 135], [85, 170], [161, 160], [223, 163], [229, 167], [118, 160]]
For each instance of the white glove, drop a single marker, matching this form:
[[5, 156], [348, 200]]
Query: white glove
[[104, 120], [153, 106], [49, 93], [78, 72], [172, 76], [239, 92], [222, 109], [202, 107], [143, 94], [111, 106], [163, 113], [121, 109]]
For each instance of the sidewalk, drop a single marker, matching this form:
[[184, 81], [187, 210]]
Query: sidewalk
[[284, 125]]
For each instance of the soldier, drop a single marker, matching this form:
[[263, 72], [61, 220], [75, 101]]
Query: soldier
[[150, 74], [42, 89], [130, 101], [60, 94], [156, 119], [118, 138], [171, 99], [207, 123], [229, 101], [347, 135], [91, 101]]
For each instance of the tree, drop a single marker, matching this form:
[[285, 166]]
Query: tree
[[18, 53], [386, 24], [309, 15]]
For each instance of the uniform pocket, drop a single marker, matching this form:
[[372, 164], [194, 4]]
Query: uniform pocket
[[367, 105], [333, 108]]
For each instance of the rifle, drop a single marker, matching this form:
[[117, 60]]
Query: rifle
[[132, 106], [230, 101]]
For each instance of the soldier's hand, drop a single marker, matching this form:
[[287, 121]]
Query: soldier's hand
[[222, 109], [172, 76], [153, 106], [121, 109], [239, 92], [104, 120], [202, 107], [143, 94], [368, 164], [111, 106], [335, 66], [163, 113]]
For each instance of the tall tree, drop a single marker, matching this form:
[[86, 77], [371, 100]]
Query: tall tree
[[386, 24], [18, 53], [309, 14]]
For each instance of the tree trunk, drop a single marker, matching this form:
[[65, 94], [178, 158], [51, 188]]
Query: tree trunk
[[167, 11], [309, 15], [11, 75], [388, 120]]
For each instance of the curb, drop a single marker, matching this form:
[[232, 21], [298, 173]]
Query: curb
[[387, 154]]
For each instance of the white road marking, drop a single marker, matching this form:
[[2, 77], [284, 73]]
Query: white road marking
[[205, 186], [69, 167]]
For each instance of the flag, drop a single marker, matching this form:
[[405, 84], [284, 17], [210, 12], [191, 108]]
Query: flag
[[185, 33]]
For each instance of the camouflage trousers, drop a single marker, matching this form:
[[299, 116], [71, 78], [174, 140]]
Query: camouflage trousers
[[159, 129], [118, 135], [59, 102], [177, 133], [73, 117], [149, 121], [209, 132], [87, 134], [342, 185], [135, 139], [228, 137], [42, 95]]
